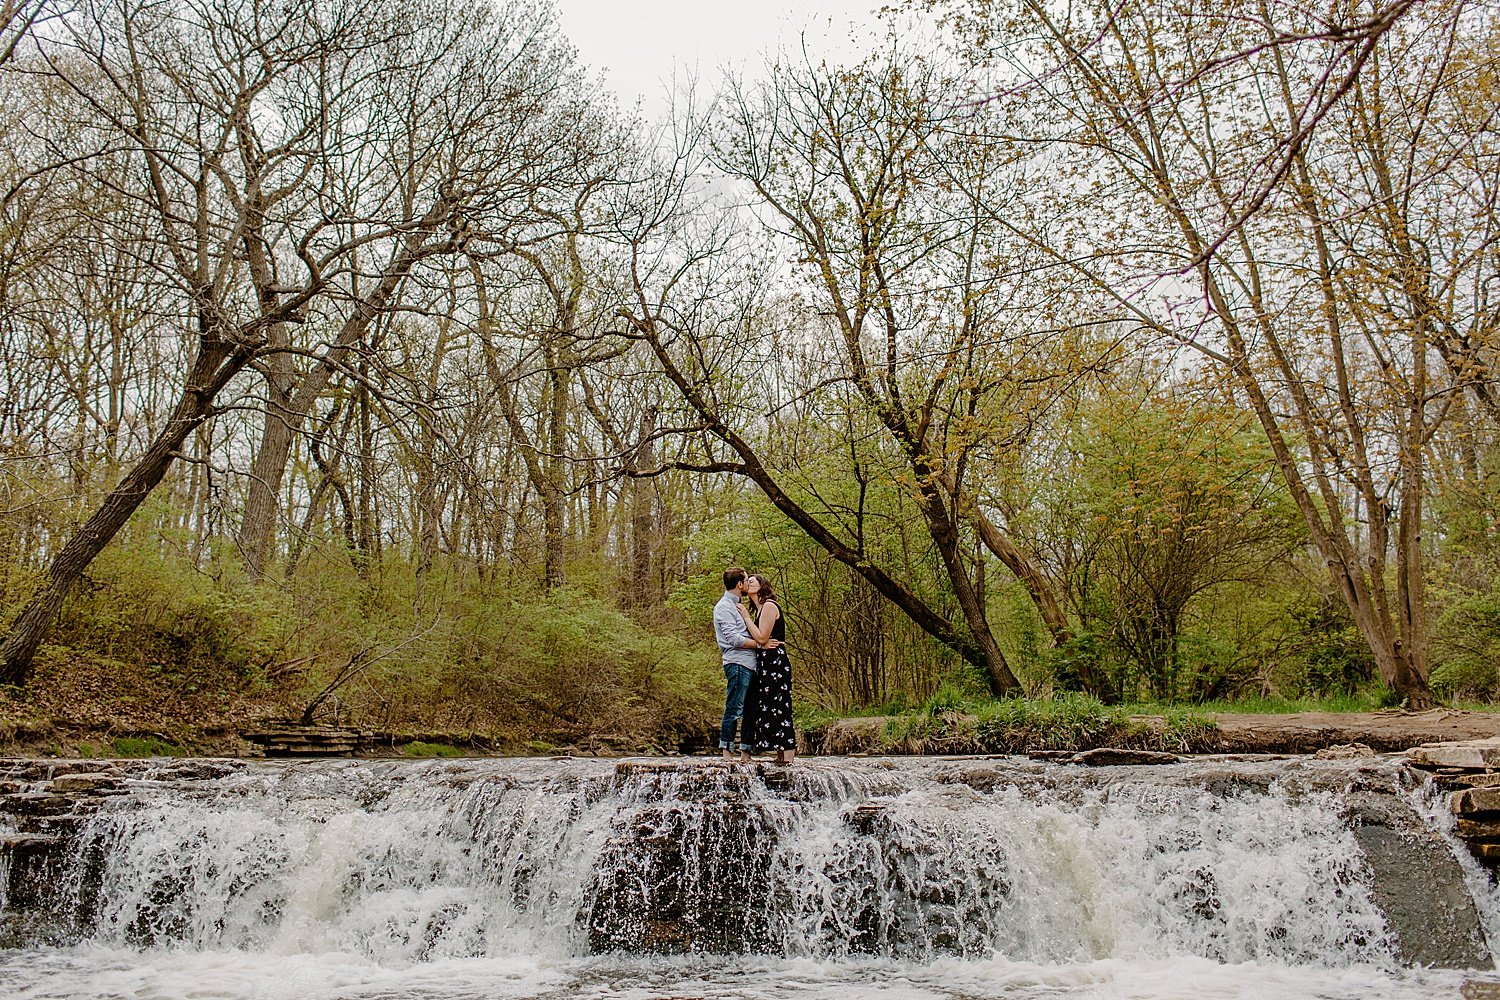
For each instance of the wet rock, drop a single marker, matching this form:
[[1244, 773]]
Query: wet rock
[[865, 817], [1469, 779], [57, 769], [35, 804], [1420, 888], [195, 768], [685, 877], [1473, 830], [981, 779], [1110, 756], [1345, 751], [26, 771], [85, 782], [647, 765]]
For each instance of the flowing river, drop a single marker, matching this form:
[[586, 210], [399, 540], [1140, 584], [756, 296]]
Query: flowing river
[[900, 879]]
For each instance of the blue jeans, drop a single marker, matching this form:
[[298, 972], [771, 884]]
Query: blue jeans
[[736, 683]]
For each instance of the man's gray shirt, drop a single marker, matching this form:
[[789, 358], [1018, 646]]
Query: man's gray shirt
[[732, 632]]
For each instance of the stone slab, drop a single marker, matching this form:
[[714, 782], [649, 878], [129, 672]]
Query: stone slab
[[35, 803], [1475, 800], [1472, 779], [1477, 755], [1108, 756], [1420, 888], [84, 782], [1478, 829]]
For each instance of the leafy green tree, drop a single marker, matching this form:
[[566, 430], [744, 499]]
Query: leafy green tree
[[1172, 493]]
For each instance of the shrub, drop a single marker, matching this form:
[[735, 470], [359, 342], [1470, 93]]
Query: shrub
[[1466, 648]]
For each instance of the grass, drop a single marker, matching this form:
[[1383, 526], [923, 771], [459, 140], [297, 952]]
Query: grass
[[960, 722], [147, 746], [416, 748], [951, 722]]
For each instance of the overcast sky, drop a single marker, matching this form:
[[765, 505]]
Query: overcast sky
[[638, 42]]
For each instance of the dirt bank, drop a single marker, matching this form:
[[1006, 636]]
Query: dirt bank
[[1391, 729]]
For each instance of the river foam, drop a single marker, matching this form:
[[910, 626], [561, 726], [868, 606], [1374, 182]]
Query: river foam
[[648, 879], [94, 973]]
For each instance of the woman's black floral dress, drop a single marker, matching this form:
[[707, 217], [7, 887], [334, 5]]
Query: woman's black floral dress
[[768, 709]]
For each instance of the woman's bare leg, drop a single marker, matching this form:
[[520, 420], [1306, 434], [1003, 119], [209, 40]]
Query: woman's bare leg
[[745, 757]]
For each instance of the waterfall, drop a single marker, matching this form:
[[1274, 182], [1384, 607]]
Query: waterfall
[[906, 864]]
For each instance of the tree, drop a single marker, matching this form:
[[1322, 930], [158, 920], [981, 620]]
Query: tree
[[298, 164], [1174, 494], [904, 316], [1271, 221], [17, 19]]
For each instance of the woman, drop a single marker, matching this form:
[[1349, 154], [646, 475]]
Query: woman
[[768, 708]]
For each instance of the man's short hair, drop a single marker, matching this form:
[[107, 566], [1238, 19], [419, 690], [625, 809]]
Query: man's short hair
[[733, 577]]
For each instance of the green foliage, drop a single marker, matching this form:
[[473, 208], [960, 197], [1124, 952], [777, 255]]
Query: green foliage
[[1466, 647], [1336, 658], [146, 746], [952, 724], [416, 748], [563, 665], [1172, 497], [140, 605], [1368, 699], [156, 633]]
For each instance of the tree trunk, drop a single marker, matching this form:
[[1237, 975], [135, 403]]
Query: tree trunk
[[974, 649], [1090, 678], [944, 535], [259, 519], [36, 619], [270, 461], [644, 588], [554, 468]]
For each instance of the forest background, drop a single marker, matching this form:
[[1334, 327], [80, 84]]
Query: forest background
[[363, 362]]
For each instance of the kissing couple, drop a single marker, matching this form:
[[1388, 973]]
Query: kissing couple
[[757, 672]]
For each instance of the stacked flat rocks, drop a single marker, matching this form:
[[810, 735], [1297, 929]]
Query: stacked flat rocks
[[296, 740], [1470, 772]]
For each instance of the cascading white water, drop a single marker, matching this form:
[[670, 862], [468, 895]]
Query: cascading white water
[[534, 878]]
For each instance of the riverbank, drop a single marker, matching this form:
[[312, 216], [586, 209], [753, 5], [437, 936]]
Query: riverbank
[[1033, 731], [1387, 730], [86, 707]]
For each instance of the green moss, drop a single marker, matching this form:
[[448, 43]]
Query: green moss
[[148, 746], [416, 748]]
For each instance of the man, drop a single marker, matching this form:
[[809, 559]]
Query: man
[[739, 657]]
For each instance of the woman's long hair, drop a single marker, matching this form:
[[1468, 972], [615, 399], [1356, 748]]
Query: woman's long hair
[[766, 591]]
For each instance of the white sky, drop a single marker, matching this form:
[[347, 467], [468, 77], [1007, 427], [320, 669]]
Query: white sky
[[638, 43]]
